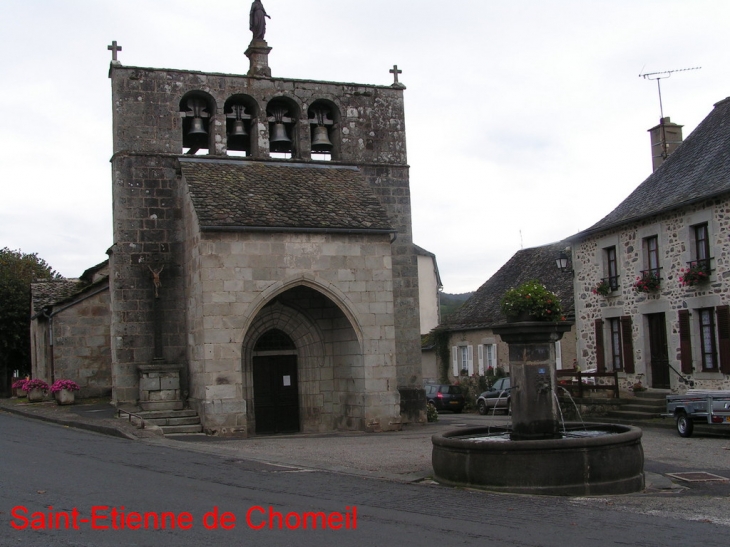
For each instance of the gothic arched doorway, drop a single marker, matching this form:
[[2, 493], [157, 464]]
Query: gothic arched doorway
[[275, 384]]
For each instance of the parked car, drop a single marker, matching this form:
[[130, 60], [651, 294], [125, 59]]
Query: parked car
[[498, 397], [445, 397]]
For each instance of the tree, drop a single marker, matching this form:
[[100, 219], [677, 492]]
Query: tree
[[17, 271]]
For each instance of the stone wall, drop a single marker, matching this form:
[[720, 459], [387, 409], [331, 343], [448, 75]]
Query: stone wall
[[149, 230], [81, 345], [370, 128], [674, 234], [148, 236], [335, 300]]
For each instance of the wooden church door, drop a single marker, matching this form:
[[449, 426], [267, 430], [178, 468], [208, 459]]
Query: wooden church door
[[276, 395]]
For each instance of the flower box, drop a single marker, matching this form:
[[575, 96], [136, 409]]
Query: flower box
[[603, 288], [696, 273], [531, 301], [648, 282], [64, 397], [36, 390], [63, 391]]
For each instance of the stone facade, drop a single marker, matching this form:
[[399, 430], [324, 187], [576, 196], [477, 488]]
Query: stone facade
[[196, 282], [675, 333], [70, 336], [673, 232]]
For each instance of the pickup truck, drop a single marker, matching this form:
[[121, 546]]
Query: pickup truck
[[698, 406]]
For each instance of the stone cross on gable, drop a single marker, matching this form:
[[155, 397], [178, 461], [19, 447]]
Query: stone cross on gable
[[114, 48], [394, 71]]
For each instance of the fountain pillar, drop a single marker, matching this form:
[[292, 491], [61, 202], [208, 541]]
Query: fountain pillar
[[535, 412]]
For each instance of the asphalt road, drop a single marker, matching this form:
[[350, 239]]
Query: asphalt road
[[44, 465]]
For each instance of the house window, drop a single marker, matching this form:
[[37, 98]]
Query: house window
[[462, 359], [708, 343], [487, 357], [616, 362], [701, 247], [490, 355], [651, 244], [612, 268]]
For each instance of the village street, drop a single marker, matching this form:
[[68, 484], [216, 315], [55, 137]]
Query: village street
[[46, 465]]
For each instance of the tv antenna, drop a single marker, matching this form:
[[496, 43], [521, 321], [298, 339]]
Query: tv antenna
[[659, 76]]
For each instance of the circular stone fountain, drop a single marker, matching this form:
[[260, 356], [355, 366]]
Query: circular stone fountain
[[611, 462], [538, 454]]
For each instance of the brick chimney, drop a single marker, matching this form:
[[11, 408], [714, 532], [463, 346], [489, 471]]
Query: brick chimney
[[665, 138]]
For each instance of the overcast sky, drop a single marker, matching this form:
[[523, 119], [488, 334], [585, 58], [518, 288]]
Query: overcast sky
[[526, 119]]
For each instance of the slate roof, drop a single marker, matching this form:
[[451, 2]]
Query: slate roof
[[237, 194], [482, 309], [46, 293], [697, 170], [53, 293]]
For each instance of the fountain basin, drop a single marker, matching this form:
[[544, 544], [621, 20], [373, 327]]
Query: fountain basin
[[610, 462]]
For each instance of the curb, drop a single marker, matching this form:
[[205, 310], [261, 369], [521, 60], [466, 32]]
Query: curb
[[96, 428]]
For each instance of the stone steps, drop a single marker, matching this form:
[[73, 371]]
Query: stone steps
[[172, 422], [645, 405]]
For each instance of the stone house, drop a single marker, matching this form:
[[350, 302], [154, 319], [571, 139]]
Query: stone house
[[263, 269], [473, 346], [429, 287], [652, 277], [70, 331]]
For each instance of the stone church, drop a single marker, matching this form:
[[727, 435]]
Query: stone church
[[263, 271]]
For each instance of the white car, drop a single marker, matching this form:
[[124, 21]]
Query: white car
[[496, 398]]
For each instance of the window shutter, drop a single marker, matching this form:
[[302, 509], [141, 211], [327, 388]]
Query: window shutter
[[723, 337], [600, 351], [685, 341], [627, 341], [470, 359], [455, 360], [480, 355]]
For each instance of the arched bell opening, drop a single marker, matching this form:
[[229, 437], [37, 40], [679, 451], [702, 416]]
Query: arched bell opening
[[282, 115], [196, 110], [241, 112], [324, 123], [302, 337]]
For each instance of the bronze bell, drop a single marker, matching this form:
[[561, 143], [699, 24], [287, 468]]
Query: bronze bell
[[197, 127], [239, 130], [280, 141], [321, 141]]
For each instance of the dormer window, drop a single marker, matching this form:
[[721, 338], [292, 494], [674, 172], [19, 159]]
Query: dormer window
[[196, 111]]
